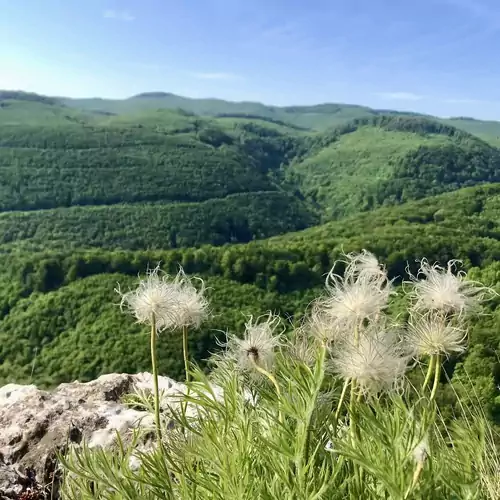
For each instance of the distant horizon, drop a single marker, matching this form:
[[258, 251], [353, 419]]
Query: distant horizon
[[164, 92]]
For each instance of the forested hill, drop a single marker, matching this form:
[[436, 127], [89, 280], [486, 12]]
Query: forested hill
[[259, 205], [60, 320], [174, 180], [196, 180]]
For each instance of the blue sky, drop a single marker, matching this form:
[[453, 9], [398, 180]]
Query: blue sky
[[434, 56]]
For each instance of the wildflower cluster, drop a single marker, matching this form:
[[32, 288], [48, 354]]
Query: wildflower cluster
[[323, 413]]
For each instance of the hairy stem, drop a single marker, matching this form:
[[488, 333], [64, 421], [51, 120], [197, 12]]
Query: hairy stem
[[352, 399], [186, 367], [416, 475], [155, 377], [437, 375], [352, 418], [430, 370], [341, 400], [185, 351], [268, 375], [273, 380]]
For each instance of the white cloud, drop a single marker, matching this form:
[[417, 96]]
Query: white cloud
[[400, 96], [121, 15], [216, 76]]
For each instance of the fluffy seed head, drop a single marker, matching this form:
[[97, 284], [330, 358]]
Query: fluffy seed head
[[171, 302], [302, 349], [430, 334], [376, 362], [192, 306], [363, 291], [421, 451], [322, 326], [364, 263], [257, 347], [444, 291]]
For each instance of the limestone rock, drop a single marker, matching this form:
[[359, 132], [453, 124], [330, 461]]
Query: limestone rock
[[35, 424]]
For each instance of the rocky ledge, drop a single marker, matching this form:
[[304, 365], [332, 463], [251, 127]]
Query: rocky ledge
[[35, 424]]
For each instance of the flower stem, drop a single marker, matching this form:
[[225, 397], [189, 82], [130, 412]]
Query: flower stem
[[155, 377], [185, 351], [416, 475], [437, 375], [268, 375], [430, 369], [352, 411], [352, 419], [273, 380], [341, 400]]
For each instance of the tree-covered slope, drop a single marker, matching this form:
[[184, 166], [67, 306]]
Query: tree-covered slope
[[486, 129], [311, 117], [236, 218], [59, 311], [39, 113], [389, 160], [196, 180], [99, 165], [164, 178]]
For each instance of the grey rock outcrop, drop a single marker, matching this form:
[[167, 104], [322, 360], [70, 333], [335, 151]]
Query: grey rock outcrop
[[35, 424]]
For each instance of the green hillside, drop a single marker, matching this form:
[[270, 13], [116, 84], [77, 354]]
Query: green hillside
[[350, 170], [235, 218], [487, 130], [389, 160], [316, 117], [42, 113], [60, 320], [90, 198], [174, 160], [188, 180], [310, 117]]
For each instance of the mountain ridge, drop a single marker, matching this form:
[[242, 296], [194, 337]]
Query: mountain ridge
[[169, 100]]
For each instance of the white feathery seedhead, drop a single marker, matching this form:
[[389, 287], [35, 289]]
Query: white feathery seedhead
[[258, 345], [363, 291], [444, 291], [430, 334], [302, 349], [153, 297], [421, 451], [376, 363], [322, 326], [192, 306], [364, 263], [173, 302]]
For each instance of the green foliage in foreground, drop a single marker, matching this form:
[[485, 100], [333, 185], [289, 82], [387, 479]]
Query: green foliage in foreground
[[232, 450]]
